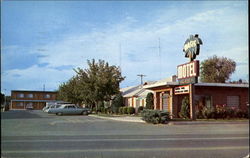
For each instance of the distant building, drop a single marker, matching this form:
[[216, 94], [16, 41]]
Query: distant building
[[135, 96], [24, 99]]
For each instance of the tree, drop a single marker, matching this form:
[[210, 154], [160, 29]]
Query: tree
[[185, 109], [2, 99], [70, 91], [150, 101], [117, 103], [93, 85], [217, 70]]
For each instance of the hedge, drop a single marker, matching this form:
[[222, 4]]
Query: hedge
[[155, 116]]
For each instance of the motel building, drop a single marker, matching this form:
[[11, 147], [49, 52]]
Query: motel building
[[168, 96], [24, 99]]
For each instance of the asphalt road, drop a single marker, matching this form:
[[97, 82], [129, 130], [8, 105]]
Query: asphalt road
[[36, 134]]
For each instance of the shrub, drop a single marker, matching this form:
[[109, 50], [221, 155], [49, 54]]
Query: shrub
[[120, 110], [117, 103], [150, 101], [155, 116], [125, 110], [199, 114], [130, 110], [184, 113], [208, 113], [242, 113], [140, 109]]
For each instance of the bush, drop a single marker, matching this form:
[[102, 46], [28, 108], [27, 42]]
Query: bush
[[130, 110], [140, 109], [117, 103], [184, 113], [120, 110], [223, 112], [125, 110], [199, 114], [150, 101], [208, 113], [155, 116]]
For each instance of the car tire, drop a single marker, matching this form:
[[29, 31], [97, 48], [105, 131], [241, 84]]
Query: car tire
[[60, 114], [84, 113]]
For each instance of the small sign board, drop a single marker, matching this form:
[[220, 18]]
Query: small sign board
[[185, 81], [181, 90]]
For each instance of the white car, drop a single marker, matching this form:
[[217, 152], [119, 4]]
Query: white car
[[70, 109]]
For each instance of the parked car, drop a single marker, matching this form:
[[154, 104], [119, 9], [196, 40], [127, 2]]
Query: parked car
[[46, 108], [68, 109]]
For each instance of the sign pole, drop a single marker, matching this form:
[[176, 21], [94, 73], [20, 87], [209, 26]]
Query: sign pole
[[191, 101]]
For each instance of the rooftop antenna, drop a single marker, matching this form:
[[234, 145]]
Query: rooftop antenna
[[120, 56], [160, 56], [141, 75], [43, 87]]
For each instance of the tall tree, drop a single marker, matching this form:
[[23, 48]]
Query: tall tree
[[217, 69], [150, 101], [99, 82], [70, 91]]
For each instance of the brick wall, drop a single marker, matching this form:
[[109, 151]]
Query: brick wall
[[219, 94]]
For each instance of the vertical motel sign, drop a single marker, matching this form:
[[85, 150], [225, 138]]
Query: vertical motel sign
[[188, 73]]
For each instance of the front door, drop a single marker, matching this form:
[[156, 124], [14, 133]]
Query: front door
[[165, 101]]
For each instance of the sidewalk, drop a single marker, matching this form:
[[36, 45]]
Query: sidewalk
[[197, 122], [124, 119]]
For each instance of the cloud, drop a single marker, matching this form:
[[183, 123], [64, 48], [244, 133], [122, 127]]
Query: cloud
[[34, 77]]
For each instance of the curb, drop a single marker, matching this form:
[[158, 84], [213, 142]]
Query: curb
[[119, 119]]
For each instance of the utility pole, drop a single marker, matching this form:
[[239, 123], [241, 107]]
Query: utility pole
[[43, 87], [5, 98], [141, 75]]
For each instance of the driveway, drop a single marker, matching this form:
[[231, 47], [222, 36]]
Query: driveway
[[37, 134]]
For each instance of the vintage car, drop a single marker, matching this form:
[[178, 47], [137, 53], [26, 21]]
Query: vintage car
[[69, 109]]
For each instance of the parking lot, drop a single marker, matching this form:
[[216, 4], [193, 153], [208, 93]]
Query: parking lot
[[38, 134]]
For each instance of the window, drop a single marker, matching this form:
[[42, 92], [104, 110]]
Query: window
[[19, 104], [71, 107], [47, 96], [233, 101], [20, 95], [29, 95], [29, 105]]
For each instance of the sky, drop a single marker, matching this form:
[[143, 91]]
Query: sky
[[43, 41]]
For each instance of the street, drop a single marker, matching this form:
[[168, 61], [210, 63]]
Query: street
[[37, 134]]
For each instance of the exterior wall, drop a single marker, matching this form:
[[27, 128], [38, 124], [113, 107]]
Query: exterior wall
[[219, 94], [36, 105], [38, 99], [36, 95]]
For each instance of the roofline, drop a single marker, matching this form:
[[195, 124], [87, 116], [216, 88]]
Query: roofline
[[33, 91], [222, 85], [33, 100], [161, 84], [197, 84]]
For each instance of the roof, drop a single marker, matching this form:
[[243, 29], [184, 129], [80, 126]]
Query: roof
[[33, 91], [164, 82], [140, 92], [222, 85], [33, 100]]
